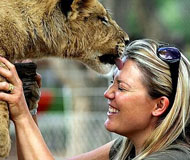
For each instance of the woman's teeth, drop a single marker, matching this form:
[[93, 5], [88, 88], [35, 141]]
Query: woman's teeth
[[112, 110]]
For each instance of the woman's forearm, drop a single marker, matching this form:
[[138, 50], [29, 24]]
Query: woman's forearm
[[19, 152], [30, 143]]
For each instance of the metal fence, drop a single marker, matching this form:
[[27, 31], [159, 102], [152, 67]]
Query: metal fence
[[73, 131], [70, 134], [78, 125]]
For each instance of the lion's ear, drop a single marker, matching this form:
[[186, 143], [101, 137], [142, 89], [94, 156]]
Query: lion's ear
[[65, 6], [71, 8]]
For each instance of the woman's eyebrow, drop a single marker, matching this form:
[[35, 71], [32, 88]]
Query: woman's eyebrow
[[121, 81]]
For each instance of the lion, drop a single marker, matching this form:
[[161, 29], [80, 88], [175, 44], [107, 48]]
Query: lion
[[82, 30], [77, 29]]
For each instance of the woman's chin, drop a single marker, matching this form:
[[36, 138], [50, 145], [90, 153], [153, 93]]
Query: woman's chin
[[109, 126]]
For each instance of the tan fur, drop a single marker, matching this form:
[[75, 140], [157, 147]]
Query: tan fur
[[38, 28], [41, 28]]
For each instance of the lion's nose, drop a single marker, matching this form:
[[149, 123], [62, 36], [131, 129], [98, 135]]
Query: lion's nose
[[127, 41]]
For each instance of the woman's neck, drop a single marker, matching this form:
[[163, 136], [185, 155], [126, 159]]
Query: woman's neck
[[138, 139]]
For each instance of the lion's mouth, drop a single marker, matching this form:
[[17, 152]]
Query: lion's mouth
[[108, 58]]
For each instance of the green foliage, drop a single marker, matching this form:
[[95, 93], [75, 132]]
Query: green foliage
[[175, 16], [134, 27]]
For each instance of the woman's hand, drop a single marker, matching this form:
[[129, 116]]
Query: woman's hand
[[30, 143], [16, 100]]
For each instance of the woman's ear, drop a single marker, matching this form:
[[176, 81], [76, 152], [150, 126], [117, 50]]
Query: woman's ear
[[161, 106]]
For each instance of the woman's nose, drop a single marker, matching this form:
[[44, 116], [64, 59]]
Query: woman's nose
[[109, 93]]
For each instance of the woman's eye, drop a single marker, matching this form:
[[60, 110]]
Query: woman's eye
[[121, 89]]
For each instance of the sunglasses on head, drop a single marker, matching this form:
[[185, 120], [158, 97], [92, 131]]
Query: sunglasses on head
[[171, 56]]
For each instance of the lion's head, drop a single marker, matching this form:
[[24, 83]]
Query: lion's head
[[93, 37]]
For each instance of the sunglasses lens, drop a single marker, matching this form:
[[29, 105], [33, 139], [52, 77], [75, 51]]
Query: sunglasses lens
[[169, 53], [171, 56]]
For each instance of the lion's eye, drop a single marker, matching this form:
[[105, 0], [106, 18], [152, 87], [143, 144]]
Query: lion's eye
[[103, 19]]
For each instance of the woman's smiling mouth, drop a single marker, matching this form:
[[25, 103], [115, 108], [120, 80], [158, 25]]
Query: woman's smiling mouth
[[112, 110]]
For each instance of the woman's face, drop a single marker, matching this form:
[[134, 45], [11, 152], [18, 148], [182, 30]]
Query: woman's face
[[129, 104]]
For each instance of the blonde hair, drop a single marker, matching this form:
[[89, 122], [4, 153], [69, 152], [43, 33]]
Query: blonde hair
[[158, 81]]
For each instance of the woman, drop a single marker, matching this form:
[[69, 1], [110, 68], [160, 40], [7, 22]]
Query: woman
[[149, 105], [151, 101]]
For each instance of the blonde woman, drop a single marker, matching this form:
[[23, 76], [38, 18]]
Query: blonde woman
[[148, 105], [151, 98]]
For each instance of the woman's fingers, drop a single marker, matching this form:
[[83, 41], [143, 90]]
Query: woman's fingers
[[6, 62], [8, 87], [12, 99], [10, 93], [11, 74], [5, 97], [6, 73], [17, 104]]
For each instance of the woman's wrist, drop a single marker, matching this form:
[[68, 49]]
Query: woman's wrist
[[23, 117]]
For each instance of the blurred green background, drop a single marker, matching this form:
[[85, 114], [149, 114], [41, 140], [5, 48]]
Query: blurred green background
[[165, 20]]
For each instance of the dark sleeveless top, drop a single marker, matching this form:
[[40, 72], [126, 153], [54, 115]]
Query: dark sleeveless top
[[173, 152]]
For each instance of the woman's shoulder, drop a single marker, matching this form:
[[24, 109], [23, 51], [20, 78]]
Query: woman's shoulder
[[115, 147], [173, 152]]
